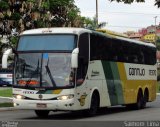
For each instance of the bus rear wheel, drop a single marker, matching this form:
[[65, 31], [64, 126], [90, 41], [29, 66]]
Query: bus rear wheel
[[42, 113], [145, 99], [140, 101]]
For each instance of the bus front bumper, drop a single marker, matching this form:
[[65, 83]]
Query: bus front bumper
[[44, 104]]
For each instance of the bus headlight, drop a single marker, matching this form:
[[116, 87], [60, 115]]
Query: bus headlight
[[19, 97], [65, 97]]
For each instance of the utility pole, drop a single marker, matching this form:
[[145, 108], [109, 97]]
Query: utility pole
[[155, 29], [97, 12]]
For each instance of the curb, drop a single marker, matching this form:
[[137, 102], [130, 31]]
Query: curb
[[7, 109], [6, 97]]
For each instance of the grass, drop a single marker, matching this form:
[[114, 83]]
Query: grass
[[6, 92], [6, 105]]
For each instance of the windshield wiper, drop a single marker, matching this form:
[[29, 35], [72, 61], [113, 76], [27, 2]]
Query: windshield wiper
[[49, 73], [37, 68]]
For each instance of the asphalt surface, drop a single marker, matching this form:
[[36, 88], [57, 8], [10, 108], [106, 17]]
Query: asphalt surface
[[117, 113], [117, 116]]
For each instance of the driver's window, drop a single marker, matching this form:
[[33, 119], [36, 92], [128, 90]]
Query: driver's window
[[83, 57]]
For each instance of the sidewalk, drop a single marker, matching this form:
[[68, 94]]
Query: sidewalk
[[7, 109]]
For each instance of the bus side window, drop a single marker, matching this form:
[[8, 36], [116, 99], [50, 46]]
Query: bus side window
[[141, 57], [93, 45]]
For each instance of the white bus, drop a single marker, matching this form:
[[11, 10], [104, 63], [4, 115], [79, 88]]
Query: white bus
[[6, 77], [74, 69]]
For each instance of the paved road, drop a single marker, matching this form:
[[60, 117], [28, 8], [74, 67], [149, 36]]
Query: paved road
[[119, 113]]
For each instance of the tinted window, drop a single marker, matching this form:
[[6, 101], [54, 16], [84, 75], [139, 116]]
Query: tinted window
[[46, 42], [111, 49], [83, 55]]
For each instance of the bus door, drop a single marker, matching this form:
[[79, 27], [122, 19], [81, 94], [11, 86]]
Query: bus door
[[81, 74]]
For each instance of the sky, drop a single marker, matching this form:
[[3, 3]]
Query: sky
[[121, 17]]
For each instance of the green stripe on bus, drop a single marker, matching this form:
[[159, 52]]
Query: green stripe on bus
[[117, 83], [110, 84], [44, 92], [113, 82]]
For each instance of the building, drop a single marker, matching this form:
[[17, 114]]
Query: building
[[150, 33], [151, 29], [134, 35], [150, 37], [143, 31]]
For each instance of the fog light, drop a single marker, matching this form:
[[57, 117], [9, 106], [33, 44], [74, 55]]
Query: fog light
[[15, 104]]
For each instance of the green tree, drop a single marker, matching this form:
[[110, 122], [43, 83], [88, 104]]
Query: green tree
[[27, 14], [157, 2], [91, 23], [65, 12], [128, 1], [4, 5]]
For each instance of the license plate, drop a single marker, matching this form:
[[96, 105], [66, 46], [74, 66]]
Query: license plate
[[41, 105]]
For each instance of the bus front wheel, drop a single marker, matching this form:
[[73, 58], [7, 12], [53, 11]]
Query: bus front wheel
[[94, 105], [42, 113]]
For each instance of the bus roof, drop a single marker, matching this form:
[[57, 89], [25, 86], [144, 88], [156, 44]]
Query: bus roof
[[56, 30], [125, 39], [136, 41], [69, 30]]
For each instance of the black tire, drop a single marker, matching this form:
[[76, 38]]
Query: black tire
[[42, 113], [94, 106], [140, 101], [145, 99]]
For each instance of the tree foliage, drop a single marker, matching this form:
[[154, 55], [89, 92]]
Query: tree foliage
[[128, 1], [29, 14], [4, 5], [157, 2]]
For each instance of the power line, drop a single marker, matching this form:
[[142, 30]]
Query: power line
[[125, 26], [133, 13], [112, 12]]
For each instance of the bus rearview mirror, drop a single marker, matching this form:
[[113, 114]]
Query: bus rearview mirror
[[5, 57], [74, 58]]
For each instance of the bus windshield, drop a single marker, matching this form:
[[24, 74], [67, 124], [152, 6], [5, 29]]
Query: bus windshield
[[56, 42], [46, 70]]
